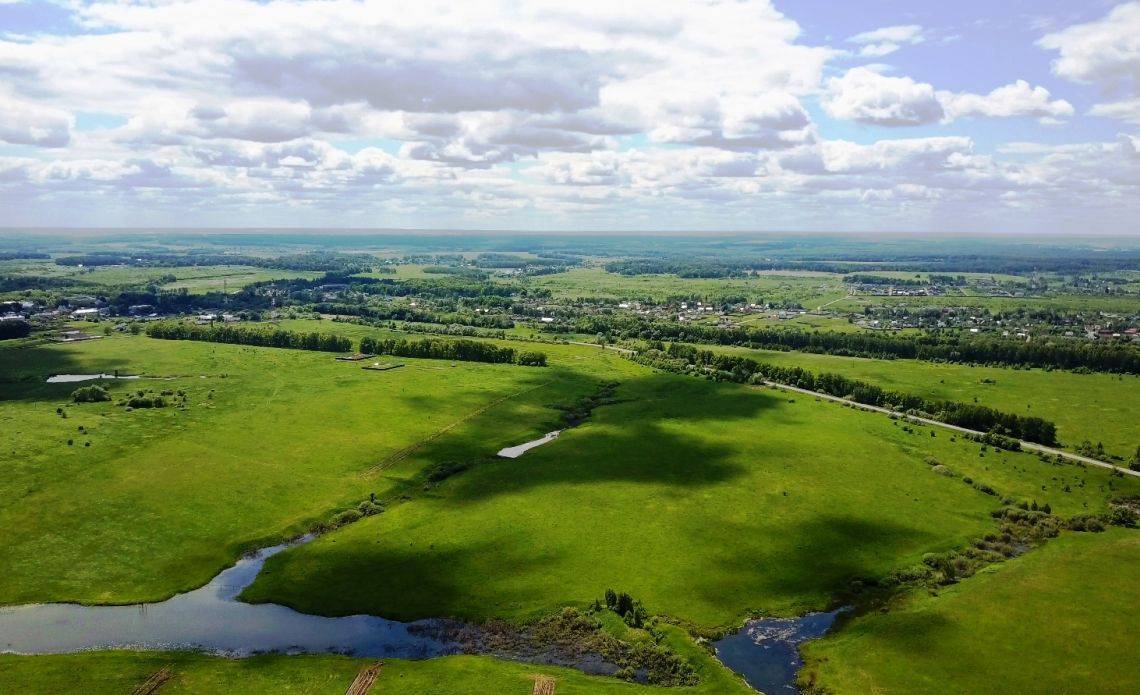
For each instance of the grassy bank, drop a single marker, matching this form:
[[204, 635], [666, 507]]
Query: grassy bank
[[1058, 619]]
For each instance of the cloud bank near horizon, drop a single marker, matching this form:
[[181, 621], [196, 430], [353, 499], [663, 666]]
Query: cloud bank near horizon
[[637, 115]]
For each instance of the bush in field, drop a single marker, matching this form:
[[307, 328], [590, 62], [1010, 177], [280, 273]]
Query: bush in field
[[531, 359], [444, 470], [90, 394], [145, 399]]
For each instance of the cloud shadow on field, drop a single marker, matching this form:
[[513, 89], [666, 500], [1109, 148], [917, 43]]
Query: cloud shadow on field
[[628, 441], [820, 557], [401, 583]]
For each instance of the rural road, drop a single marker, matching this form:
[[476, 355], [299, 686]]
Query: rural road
[[819, 308], [624, 351], [1031, 446]]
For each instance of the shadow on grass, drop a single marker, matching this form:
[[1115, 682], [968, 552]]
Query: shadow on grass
[[405, 583], [627, 441], [810, 562], [24, 369]]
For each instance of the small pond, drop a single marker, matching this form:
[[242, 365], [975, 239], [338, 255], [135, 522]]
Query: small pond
[[70, 378], [513, 452], [766, 652]]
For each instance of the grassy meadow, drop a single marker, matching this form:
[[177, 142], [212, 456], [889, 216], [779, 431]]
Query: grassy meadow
[[193, 279], [107, 505], [708, 502], [1098, 407], [1058, 619]]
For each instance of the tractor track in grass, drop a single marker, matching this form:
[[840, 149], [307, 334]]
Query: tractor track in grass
[[402, 454]]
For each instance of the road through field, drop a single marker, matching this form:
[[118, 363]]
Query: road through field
[[1032, 446]]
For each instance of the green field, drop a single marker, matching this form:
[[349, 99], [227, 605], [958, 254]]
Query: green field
[[271, 441], [1122, 304], [597, 283], [1059, 619], [194, 279], [707, 501], [1097, 407]]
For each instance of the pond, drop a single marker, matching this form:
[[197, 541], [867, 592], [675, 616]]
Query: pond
[[766, 652], [69, 378], [211, 619], [513, 452]]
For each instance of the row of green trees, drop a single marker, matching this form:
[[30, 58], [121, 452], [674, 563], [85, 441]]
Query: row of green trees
[[685, 358], [262, 337], [462, 350], [428, 348], [947, 347]]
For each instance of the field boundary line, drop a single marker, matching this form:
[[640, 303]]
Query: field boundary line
[[402, 454], [1032, 446]]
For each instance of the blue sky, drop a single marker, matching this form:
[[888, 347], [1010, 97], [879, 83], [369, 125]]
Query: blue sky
[[969, 116]]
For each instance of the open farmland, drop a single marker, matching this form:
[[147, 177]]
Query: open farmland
[[679, 498], [596, 283], [175, 503], [756, 504], [1108, 403]]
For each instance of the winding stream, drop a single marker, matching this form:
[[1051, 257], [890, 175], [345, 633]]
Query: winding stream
[[766, 652], [211, 619]]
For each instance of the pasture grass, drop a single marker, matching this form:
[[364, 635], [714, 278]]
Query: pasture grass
[[1061, 618], [708, 502], [271, 441], [1097, 407]]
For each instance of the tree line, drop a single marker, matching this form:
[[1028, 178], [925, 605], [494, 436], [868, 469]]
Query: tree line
[[688, 359], [461, 350], [14, 328], [261, 337], [427, 348], [943, 347]]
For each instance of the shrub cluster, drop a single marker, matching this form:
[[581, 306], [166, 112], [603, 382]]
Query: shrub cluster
[[581, 409], [630, 609], [444, 470], [94, 393]]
